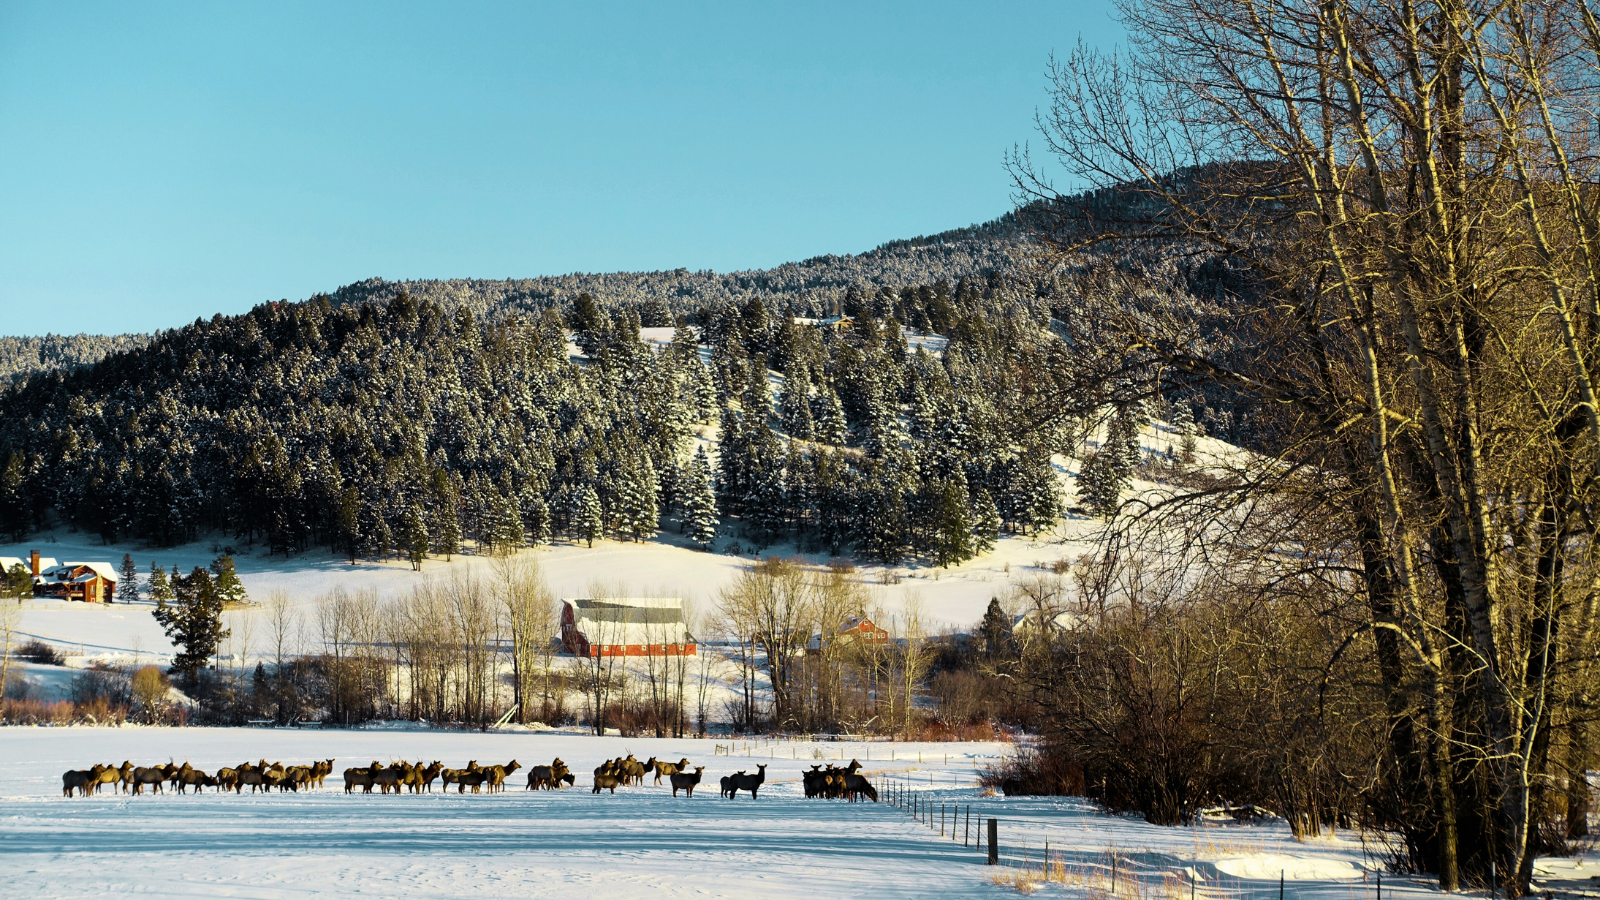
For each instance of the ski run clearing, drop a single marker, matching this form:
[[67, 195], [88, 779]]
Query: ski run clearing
[[640, 842]]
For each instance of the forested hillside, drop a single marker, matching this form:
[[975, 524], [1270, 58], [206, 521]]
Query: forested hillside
[[405, 428], [813, 287], [22, 355]]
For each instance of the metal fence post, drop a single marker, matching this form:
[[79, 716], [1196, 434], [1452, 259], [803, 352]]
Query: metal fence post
[[994, 842]]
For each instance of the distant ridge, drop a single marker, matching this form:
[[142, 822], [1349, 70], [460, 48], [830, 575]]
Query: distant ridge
[[808, 287]]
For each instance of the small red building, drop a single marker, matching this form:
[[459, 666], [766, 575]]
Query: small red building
[[856, 629], [625, 626]]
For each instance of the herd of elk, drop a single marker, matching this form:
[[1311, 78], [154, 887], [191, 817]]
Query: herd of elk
[[134, 780], [418, 777], [834, 782], [831, 782]]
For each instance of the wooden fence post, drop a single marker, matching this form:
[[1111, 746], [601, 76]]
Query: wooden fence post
[[994, 842]]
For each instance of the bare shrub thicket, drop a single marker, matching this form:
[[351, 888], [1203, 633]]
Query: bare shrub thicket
[[788, 620]]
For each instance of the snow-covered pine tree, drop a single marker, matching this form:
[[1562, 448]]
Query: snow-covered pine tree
[[1100, 483], [587, 515], [795, 405], [1034, 493], [226, 583], [799, 490], [828, 422], [765, 505], [732, 453], [758, 392], [509, 532], [349, 530], [192, 621], [1183, 422], [536, 518], [160, 587], [414, 536], [703, 389], [986, 523], [700, 501], [128, 585], [638, 516], [953, 533]]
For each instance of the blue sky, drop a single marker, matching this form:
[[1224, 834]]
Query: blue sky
[[164, 161]]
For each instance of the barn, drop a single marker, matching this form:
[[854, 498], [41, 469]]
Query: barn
[[625, 626]]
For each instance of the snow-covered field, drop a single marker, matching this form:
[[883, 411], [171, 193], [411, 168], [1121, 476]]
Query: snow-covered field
[[640, 842]]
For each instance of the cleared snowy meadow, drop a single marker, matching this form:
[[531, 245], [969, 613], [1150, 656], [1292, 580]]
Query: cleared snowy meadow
[[640, 842]]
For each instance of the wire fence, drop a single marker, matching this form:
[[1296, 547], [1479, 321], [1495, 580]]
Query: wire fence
[[1107, 874]]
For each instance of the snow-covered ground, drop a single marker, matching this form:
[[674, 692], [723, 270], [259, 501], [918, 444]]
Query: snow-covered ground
[[640, 842]]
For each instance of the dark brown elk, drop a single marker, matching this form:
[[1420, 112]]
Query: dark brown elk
[[359, 777], [154, 776], [191, 777], [751, 783], [727, 783], [389, 777], [857, 786], [253, 775], [607, 782], [686, 781], [76, 780], [453, 776]]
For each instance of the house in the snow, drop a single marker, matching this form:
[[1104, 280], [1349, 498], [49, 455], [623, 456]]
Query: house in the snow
[[92, 582], [858, 630], [625, 626], [35, 565]]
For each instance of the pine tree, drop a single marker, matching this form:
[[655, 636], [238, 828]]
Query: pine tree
[[587, 515], [953, 537], [193, 622], [700, 501], [228, 587], [414, 537], [13, 507], [986, 529], [160, 587], [503, 531], [128, 584], [995, 631], [1183, 421], [1033, 493], [18, 583], [447, 514], [1100, 483], [536, 518], [350, 523], [638, 516], [829, 422], [796, 403]]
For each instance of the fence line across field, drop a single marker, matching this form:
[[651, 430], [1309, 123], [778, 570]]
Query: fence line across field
[[972, 824]]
